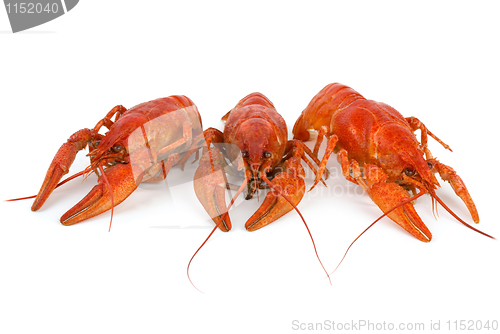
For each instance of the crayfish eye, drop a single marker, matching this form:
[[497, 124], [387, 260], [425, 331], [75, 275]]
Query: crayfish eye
[[245, 154], [409, 171], [267, 154], [117, 148], [430, 165]]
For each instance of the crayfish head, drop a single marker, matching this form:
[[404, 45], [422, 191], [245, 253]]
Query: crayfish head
[[115, 145], [402, 159], [260, 147], [408, 168], [107, 158], [419, 170], [258, 144]]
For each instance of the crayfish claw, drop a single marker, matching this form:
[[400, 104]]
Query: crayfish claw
[[61, 163], [392, 199], [448, 174], [289, 183], [210, 184], [388, 196], [54, 174], [120, 184]]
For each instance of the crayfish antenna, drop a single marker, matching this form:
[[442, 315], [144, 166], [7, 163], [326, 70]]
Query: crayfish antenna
[[192, 257], [458, 218], [303, 220], [20, 198], [111, 194], [240, 190], [83, 172], [366, 229], [434, 208]]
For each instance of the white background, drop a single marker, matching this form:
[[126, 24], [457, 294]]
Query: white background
[[438, 61]]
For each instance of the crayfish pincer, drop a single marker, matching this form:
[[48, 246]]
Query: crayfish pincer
[[141, 145], [378, 150]]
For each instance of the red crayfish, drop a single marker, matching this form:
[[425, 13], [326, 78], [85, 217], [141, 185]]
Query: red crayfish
[[142, 144], [378, 150], [255, 140]]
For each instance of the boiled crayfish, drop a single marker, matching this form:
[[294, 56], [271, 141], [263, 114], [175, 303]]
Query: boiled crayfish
[[378, 150], [255, 140], [142, 144]]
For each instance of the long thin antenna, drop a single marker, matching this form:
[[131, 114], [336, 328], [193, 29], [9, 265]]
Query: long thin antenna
[[366, 229], [223, 217], [83, 172], [303, 220], [459, 219], [110, 192]]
